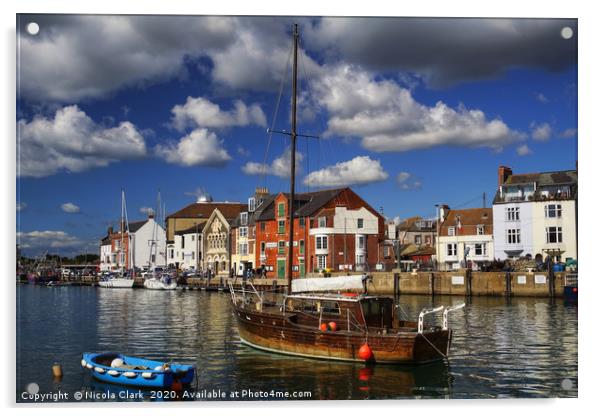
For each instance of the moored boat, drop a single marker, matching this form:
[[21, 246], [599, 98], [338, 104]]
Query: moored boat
[[163, 282], [138, 372]]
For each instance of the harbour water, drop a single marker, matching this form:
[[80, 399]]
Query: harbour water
[[502, 348]]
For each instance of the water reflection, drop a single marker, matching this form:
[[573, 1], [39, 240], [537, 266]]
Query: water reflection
[[518, 347]]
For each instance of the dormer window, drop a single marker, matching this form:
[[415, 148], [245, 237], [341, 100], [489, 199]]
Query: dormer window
[[252, 204], [451, 231], [244, 218], [322, 222]]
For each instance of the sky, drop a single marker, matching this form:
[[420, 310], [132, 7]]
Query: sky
[[410, 112]]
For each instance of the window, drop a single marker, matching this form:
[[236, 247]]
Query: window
[[262, 226], [553, 211], [360, 223], [452, 249], [321, 222], [427, 239], [418, 239], [243, 231], [192, 237], [281, 246], [480, 230], [360, 259], [302, 222], [252, 204], [386, 252], [513, 236], [451, 230], [480, 249], [182, 255], [262, 248], [244, 218], [301, 246], [512, 214], [281, 212], [280, 226], [361, 242], [554, 234], [182, 240], [321, 242], [243, 249], [192, 254], [321, 262], [152, 258], [171, 253]]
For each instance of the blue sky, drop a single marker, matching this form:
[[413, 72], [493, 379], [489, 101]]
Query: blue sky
[[411, 112]]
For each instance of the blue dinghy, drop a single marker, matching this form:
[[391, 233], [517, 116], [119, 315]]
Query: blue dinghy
[[137, 372]]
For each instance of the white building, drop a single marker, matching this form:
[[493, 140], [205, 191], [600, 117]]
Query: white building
[[187, 248], [536, 215], [106, 258], [464, 238]]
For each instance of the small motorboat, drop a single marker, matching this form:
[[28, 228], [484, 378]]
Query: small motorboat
[[139, 372]]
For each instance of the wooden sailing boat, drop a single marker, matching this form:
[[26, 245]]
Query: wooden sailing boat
[[348, 326]]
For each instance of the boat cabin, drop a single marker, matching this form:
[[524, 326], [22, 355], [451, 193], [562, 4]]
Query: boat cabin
[[351, 312]]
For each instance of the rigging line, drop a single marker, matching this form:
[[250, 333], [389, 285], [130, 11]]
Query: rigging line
[[275, 114]]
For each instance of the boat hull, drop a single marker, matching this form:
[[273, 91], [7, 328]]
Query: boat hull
[[117, 283], [155, 284], [148, 379], [276, 333]]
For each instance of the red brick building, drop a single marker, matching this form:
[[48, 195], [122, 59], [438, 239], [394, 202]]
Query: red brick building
[[333, 229]]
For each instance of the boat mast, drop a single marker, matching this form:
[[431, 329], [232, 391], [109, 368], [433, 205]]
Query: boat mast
[[122, 230], [291, 202]]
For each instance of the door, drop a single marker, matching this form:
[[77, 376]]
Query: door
[[281, 267], [301, 267]]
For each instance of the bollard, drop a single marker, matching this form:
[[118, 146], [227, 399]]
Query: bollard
[[468, 282], [395, 284], [57, 371], [508, 284], [432, 282]]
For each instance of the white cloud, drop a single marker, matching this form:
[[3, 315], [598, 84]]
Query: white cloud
[[281, 166], [47, 239], [360, 170], [406, 181], [200, 112], [21, 206], [568, 133], [523, 150], [70, 208], [242, 151], [387, 118], [90, 56], [73, 142], [541, 98], [541, 132], [147, 211], [199, 148]]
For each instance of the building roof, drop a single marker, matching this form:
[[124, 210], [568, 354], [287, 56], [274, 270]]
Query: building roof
[[204, 209], [255, 215], [306, 203], [470, 216], [564, 177], [135, 226], [190, 230], [414, 224]]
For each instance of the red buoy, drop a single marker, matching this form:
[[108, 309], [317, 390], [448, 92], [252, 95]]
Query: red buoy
[[365, 353], [332, 326], [323, 327]]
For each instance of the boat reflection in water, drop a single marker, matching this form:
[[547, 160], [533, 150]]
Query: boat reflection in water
[[334, 380], [97, 391]]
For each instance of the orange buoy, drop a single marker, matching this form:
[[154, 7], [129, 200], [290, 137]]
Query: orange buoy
[[365, 353], [365, 374], [332, 326], [323, 327]]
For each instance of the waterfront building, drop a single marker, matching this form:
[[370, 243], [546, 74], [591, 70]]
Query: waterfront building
[[143, 246], [106, 258], [535, 214], [184, 230], [216, 244], [242, 233], [464, 238], [333, 230], [418, 231]]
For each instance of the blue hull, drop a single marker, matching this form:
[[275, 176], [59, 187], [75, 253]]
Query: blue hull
[[143, 375]]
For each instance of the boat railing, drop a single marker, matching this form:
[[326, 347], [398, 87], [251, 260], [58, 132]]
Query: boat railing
[[571, 279], [430, 311], [448, 310]]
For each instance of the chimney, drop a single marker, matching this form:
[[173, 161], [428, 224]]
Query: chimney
[[261, 192], [502, 174], [151, 214], [443, 211], [110, 230]]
